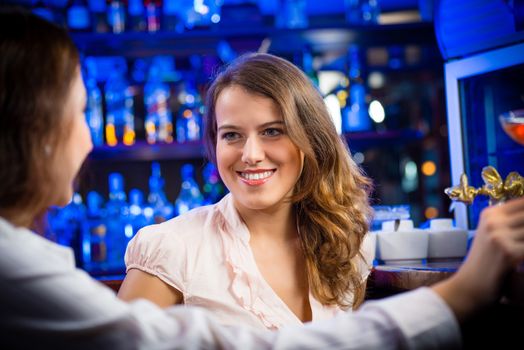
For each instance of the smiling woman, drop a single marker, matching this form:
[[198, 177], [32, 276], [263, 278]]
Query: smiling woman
[[256, 159], [286, 245]]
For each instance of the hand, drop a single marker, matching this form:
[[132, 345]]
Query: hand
[[498, 246]]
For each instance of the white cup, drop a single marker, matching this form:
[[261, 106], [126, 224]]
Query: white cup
[[399, 242], [445, 240]]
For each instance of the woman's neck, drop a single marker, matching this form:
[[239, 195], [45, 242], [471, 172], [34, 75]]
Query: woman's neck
[[276, 223], [18, 218]]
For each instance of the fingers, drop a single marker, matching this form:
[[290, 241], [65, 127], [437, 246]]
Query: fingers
[[509, 213], [514, 205], [516, 221], [515, 252], [501, 229]]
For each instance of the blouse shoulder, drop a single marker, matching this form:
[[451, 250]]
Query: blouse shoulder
[[163, 249]]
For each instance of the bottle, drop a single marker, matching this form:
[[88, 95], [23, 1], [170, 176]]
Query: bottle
[[78, 16], [291, 14], [157, 200], [171, 19], [200, 12], [189, 119], [362, 12], [116, 16], [307, 65], [67, 226], [42, 9], [137, 216], [119, 229], [355, 116], [98, 11], [153, 11], [94, 114], [213, 189], [189, 196], [137, 18], [94, 247], [120, 125], [59, 9], [158, 120], [370, 11]]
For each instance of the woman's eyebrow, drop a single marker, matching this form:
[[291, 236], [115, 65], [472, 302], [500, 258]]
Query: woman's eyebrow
[[264, 125]]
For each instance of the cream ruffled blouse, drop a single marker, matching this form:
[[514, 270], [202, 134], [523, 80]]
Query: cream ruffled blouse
[[205, 254]]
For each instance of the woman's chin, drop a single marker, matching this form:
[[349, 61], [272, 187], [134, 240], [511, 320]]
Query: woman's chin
[[63, 200]]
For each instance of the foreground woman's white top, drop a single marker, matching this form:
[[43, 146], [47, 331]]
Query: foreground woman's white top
[[47, 303]]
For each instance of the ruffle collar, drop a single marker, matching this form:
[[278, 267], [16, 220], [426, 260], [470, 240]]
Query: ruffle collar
[[248, 287]]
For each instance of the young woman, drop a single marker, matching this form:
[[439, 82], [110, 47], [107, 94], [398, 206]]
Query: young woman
[[284, 246], [48, 304]]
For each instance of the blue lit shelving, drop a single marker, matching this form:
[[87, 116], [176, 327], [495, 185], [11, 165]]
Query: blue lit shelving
[[328, 37], [142, 151]]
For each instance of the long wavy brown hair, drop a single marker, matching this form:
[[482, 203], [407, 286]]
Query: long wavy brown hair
[[331, 195], [38, 62]]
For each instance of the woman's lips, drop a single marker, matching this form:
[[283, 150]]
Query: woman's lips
[[256, 177]]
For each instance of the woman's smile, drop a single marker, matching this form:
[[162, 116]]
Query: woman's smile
[[256, 177]]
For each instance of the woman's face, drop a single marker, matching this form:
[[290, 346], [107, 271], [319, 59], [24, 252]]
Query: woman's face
[[77, 145], [255, 157]]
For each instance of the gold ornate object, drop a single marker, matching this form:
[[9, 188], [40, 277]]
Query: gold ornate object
[[494, 187]]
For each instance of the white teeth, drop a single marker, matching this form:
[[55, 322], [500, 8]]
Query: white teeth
[[256, 176]]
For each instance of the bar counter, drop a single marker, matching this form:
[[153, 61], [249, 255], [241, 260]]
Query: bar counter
[[499, 326]]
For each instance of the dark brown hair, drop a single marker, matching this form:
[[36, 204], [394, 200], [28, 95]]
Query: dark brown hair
[[38, 62], [331, 195]]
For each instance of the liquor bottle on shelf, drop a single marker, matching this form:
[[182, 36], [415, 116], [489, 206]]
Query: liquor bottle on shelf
[[200, 12], [362, 11], [157, 200], [66, 225], [41, 8], [59, 8], [119, 230], [78, 18], [138, 213], [98, 10], [189, 196], [291, 14], [213, 189], [171, 19], [94, 114], [94, 247], [136, 16], [120, 125], [153, 11], [355, 116], [189, 119], [308, 67], [116, 16], [370, 11], [158, 120]]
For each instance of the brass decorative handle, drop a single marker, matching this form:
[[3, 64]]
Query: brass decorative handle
[[494, 187]]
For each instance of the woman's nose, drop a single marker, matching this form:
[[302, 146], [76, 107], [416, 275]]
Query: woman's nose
[[253, 151]]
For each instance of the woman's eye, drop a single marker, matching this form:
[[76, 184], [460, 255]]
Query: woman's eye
[[272, 132], [229, 136]]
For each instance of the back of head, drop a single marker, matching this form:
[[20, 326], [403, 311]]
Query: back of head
[[38, 62]]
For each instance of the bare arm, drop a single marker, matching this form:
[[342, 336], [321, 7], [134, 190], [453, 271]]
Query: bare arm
[[138, 284], [498, 247]]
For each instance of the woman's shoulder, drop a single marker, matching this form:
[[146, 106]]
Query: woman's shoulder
[[169, 243], [187, 227]]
